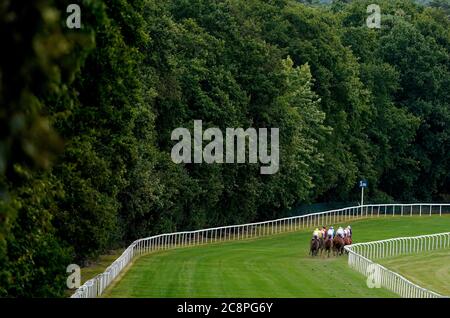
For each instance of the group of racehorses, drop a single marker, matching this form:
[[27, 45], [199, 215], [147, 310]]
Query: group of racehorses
[[335, 245]]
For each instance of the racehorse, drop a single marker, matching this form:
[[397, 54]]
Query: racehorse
[[314, 249], [321, 245], [338, 245], [347, 241], [328, 245]]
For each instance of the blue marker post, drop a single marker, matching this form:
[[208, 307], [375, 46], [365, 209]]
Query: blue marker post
[[362, 184]]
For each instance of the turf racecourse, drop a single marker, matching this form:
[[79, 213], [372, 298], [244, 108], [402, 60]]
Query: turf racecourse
[[430, 269], [274, 266]]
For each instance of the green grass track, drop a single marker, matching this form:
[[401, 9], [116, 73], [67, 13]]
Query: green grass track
[[430, 269], [274, 266]]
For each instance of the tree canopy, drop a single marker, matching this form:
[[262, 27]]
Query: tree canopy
[[87, 114]]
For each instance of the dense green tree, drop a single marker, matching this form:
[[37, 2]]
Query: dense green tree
[[38, 62], [412, 44], [87, 114]]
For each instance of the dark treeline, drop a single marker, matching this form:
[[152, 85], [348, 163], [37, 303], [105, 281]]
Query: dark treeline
[[86, 118]]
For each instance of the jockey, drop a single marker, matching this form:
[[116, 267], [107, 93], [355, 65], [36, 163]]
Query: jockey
[[324, 232], [340, 232], [349, 229], [316, 233], [330, 232]]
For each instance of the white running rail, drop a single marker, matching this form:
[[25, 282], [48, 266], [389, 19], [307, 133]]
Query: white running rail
[[361, 257], [97, 285]]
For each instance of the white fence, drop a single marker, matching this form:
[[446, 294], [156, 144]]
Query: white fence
[[97, 285], [360, 255]]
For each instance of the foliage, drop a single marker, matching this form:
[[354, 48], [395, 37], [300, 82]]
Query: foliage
[[86, 118]]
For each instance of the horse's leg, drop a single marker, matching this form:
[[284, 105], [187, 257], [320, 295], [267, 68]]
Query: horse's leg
[[321, 248]]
